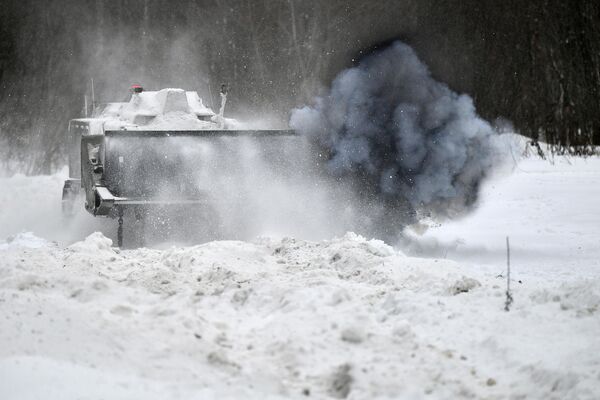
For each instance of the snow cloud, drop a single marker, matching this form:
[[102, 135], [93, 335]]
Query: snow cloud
[[403, 136]]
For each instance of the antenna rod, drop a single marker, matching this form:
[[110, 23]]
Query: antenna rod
[[223, 101], [93, 97]]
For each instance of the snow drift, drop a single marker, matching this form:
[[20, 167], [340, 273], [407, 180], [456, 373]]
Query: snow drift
[[288, 318], [344, 318]]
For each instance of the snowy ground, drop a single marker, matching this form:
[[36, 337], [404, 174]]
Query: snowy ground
[[348, 317]]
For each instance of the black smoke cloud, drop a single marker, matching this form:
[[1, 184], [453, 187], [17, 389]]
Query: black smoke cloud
[[404, 135]]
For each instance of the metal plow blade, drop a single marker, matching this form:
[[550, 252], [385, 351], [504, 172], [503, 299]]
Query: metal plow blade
[[151, 172], [204, 133]]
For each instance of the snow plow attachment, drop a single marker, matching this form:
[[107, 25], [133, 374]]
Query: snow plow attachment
[[137, 168], [141, 173], [160, 151]]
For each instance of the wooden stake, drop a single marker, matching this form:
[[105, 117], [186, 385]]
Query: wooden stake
[[509, 298]]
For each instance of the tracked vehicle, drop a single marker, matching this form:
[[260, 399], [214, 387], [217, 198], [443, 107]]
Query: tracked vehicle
[[129, 158]]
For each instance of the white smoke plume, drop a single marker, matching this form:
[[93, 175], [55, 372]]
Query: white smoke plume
[[401, 136]]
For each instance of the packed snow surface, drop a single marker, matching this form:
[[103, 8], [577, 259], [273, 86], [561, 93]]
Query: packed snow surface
[[288, 318]]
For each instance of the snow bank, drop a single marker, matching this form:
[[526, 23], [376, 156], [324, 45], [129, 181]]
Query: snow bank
[[549, 211], [33, 204], [289, 318], [348, 317], [25, 239], [30, 202]]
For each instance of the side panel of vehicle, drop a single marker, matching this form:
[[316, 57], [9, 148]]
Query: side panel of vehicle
[[92, 168]]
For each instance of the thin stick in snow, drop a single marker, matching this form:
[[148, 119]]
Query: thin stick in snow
[[509, 298]]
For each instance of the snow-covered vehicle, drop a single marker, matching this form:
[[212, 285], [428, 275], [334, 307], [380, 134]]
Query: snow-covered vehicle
[[128, 156]]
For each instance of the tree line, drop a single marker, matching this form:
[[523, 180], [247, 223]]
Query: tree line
[[534, 63]]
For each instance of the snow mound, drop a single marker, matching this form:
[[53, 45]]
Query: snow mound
[[342, 318], [96, 243], [290, 318], [25, 239], [581, 297]]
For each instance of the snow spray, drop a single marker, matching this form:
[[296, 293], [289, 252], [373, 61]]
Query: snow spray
[[403, 136]]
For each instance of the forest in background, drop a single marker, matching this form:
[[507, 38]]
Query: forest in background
[[535, 64]]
